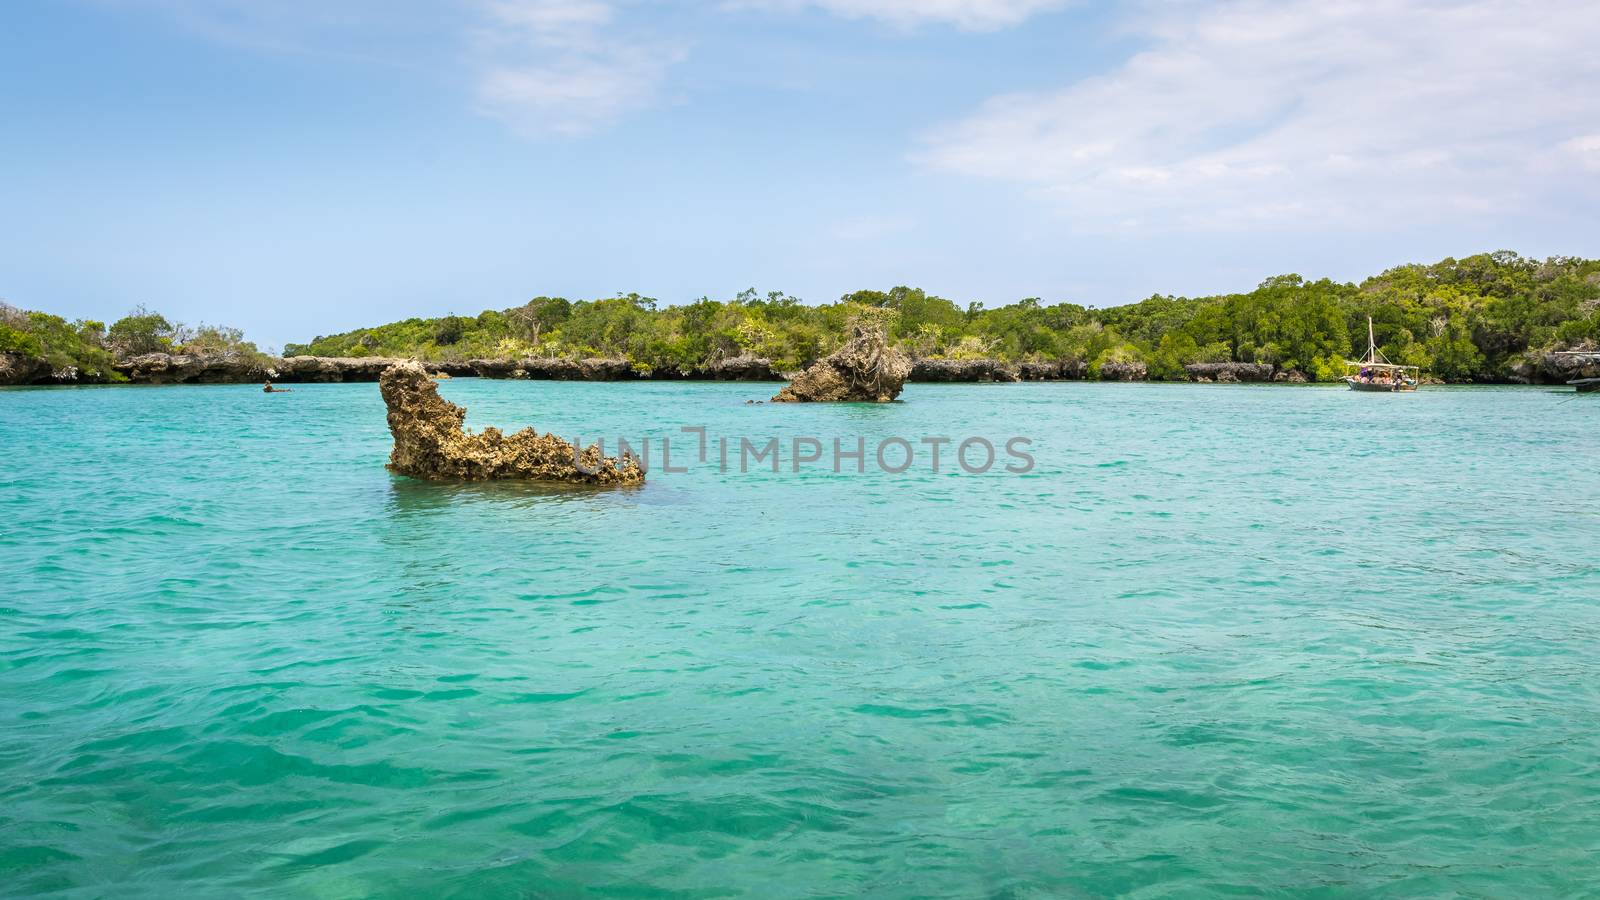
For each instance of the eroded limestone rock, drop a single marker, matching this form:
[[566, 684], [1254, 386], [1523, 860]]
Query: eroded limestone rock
[[739, 368], [429, 441], [963, 370], [194, 368], [1558, 367], [19, 368], [1230, 371], [866, 369], [1122, 370]]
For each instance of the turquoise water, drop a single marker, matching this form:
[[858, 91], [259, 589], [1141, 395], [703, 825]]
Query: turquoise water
[[1222, 640]]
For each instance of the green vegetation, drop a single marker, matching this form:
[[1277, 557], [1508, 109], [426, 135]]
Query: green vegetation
[[1460, 320], [67, 346], [90, 348]]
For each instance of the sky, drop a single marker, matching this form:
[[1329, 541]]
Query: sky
[[304, 167]]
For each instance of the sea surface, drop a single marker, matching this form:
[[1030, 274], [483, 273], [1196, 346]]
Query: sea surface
[[1221, 640]]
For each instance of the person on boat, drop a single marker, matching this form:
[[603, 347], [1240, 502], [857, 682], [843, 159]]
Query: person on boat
[[269, 389]]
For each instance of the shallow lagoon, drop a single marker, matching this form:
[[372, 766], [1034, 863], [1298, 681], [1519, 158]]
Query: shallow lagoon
[[1221, 638]]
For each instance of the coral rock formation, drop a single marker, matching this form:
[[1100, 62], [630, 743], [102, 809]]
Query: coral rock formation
[[1230, 371], [1122, 370], [181, 368], [556, 368], [18, 368], [963, 370], [429, 441], [738, 368], [1557, 367], [866, 368], [184, 368], [1069, 369]]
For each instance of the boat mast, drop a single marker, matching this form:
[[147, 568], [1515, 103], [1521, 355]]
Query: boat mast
[[1372, 345]]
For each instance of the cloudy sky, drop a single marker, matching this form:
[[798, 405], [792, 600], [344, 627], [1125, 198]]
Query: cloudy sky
[[298, 167]]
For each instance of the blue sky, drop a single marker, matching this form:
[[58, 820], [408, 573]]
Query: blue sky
[[299, 168]]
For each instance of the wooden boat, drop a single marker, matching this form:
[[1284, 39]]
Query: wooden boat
[[1586, 385], [1374, 372]]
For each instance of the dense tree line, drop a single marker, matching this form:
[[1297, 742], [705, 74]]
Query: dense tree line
[[91, 348], [1460, 320]]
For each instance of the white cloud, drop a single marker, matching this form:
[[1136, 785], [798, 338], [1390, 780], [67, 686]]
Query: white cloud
[[1261, 113], [1586, 150], [549, 17], [572, 98], [544, 67], [560, 67], [973, 15]]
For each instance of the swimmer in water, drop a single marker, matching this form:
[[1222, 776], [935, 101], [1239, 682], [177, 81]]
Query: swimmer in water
[[269, 389]]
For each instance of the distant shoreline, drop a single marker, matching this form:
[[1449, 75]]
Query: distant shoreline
[[1497, 318], [162, 368]]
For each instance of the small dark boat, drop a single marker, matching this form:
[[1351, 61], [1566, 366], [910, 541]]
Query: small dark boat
[[1376, 373], [1586, 385]]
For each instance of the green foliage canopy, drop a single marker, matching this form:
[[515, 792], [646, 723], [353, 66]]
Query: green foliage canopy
[[92, 349], [1462, 320], [1466, 319]]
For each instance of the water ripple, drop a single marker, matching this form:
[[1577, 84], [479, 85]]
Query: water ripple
[[1214, 644]]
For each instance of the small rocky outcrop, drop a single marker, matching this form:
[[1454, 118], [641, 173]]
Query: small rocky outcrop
[[964, 370], [554, 368], [606, 369], [1120, 370], [183, 368], [330, 369], [454, 368], [20, 368], [1558, 367], [187, 368], [429, 442], [1291, 376], [494, 368], [1055, 370], [738, 368], [865, 369], [1229, 372]]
